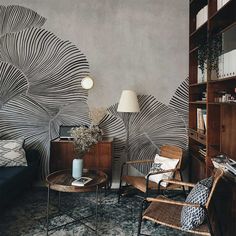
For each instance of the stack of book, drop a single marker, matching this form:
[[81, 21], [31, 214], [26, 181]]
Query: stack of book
[[202, 151], [221, 3], [201, 120], [227, 65], [202, 16], [227, 164]]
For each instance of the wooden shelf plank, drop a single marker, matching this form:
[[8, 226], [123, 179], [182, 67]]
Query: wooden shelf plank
[[222, 80], [223, 19], [196, 5], [199, 31], [198, 84], [198, 102]]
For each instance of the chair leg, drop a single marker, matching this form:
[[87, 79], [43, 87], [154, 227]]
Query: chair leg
[[181, 177], [120, 191], [120, 187], [208, 221], [141, 217], [217, 220]]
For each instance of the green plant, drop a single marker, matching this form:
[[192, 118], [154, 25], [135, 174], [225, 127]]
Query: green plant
[[209, 52], [214, 53]]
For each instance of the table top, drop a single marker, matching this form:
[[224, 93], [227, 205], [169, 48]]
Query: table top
[[61, 181]]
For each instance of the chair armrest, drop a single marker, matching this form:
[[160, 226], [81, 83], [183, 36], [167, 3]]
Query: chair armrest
[[161, 172], [178, 182], [172, 202], [139, 162]]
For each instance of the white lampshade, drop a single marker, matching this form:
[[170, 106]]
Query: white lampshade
[[128, 102], [87, 82]]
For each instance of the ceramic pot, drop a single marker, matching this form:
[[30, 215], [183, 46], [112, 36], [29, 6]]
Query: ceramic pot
[[77, 168]]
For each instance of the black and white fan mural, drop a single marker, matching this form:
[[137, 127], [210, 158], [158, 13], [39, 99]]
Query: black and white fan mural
[[40, 79], [40, 89], [155, 125]]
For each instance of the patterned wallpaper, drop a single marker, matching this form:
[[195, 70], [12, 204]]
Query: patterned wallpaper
[[40, 90]]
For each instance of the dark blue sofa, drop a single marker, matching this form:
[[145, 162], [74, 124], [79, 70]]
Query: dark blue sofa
[[14, 180]]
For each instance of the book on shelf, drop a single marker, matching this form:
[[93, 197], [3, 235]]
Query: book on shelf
[[202, 151], [227, 65], [82, 181], [221, 3], [201, 16], [201, 124]]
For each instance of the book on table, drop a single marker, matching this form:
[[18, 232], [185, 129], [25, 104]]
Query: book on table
[[82, 181]]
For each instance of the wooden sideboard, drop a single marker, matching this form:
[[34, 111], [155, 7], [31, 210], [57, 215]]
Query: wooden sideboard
[[99, 157]]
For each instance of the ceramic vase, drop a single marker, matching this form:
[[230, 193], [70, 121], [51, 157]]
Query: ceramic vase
[[77, 168]]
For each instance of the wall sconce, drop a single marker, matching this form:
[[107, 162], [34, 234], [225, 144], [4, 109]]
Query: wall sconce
[[87, 82]]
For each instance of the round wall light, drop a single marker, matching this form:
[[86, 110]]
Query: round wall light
[[87, 82]]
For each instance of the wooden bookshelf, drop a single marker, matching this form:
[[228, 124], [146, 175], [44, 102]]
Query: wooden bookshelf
[[220, 135]]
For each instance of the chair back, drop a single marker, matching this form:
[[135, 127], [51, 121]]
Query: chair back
[[217, 175], [172, 152]]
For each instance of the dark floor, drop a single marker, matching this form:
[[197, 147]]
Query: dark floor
[[27, 215]]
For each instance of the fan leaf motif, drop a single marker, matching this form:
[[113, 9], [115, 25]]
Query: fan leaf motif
[[12, 83], [15, 18], [179, 102], [54, 68], [155, 125], [23, 117]]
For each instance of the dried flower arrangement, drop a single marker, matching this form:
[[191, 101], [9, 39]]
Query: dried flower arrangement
[[84, 138], [97, 114]]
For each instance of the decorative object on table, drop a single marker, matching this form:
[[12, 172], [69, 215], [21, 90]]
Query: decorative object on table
[[96, 115], [87, 82], [81, 181], [12, 153], [128, 104], [84, 138]]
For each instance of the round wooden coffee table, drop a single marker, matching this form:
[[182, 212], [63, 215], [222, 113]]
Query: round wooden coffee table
[[61, 181]]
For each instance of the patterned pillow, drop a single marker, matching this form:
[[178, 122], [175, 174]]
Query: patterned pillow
[[162, 163], [192, 217], [12, 153]]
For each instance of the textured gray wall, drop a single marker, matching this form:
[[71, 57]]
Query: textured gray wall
[[130, 44]]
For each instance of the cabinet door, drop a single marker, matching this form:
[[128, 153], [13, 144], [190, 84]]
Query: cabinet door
[[104, 156], [62, 154], [225, 205], [90, 159], [197, 169]]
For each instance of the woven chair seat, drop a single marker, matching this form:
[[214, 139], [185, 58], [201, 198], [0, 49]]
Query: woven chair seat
[[170, 215], [139, 182]]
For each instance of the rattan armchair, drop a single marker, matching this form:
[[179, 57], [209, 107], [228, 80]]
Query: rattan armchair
[[167, 212], [144, 184]]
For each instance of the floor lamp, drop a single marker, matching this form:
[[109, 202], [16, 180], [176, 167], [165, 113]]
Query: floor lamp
[[128, 104]]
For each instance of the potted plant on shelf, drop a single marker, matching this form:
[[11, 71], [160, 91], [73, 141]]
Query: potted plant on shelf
[[208, 55]]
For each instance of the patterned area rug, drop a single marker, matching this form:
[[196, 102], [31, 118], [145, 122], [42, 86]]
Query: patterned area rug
[[27, 216]]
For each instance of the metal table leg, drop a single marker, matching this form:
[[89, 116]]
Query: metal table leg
[[96, 220], [48, 200], [59, 201]]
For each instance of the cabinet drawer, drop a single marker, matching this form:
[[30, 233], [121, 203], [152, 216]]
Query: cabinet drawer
[[202, 138]]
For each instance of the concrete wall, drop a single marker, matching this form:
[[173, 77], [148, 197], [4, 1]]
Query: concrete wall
[[130, 44]]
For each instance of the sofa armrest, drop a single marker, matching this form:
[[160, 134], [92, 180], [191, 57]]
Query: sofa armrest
[[32, 157]]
